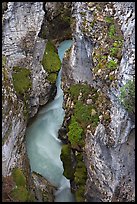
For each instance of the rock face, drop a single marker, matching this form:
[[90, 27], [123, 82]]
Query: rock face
[[25, 84], [109, 150], [21, 47], [102, 56]]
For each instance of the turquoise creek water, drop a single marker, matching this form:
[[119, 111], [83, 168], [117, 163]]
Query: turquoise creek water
[[43, 145]]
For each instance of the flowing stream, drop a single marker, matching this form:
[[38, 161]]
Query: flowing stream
[[43, 145]]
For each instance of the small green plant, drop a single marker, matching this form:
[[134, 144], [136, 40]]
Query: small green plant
[[112, 31], [109, 19], [112, 65], [127, 96], [80, 194], [113, 51]]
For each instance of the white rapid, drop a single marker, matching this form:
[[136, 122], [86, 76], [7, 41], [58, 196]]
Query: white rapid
[[43, 145]]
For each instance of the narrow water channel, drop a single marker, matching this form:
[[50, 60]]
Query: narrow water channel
[[43, 145]]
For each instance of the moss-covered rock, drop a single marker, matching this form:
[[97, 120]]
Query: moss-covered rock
[[20, 192], [21, 80], [67, 161], [22, 85], [51, 61], [80, 177], [19, 177], [75, 134], [79, 194], [52, 77]]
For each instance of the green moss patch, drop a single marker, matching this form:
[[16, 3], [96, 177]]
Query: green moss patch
[[80, 177], [52, 77], [77, 88], [20, 193], [80, 194], [109, 19], [112, 65], [21, 80], [112, 31], [75, 133], [51, 61], [19, 177], [83, 114]]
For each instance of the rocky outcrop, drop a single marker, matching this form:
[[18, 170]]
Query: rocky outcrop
[[109, 63]]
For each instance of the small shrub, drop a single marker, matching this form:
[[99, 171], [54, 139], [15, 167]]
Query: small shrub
[[127, 96]]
